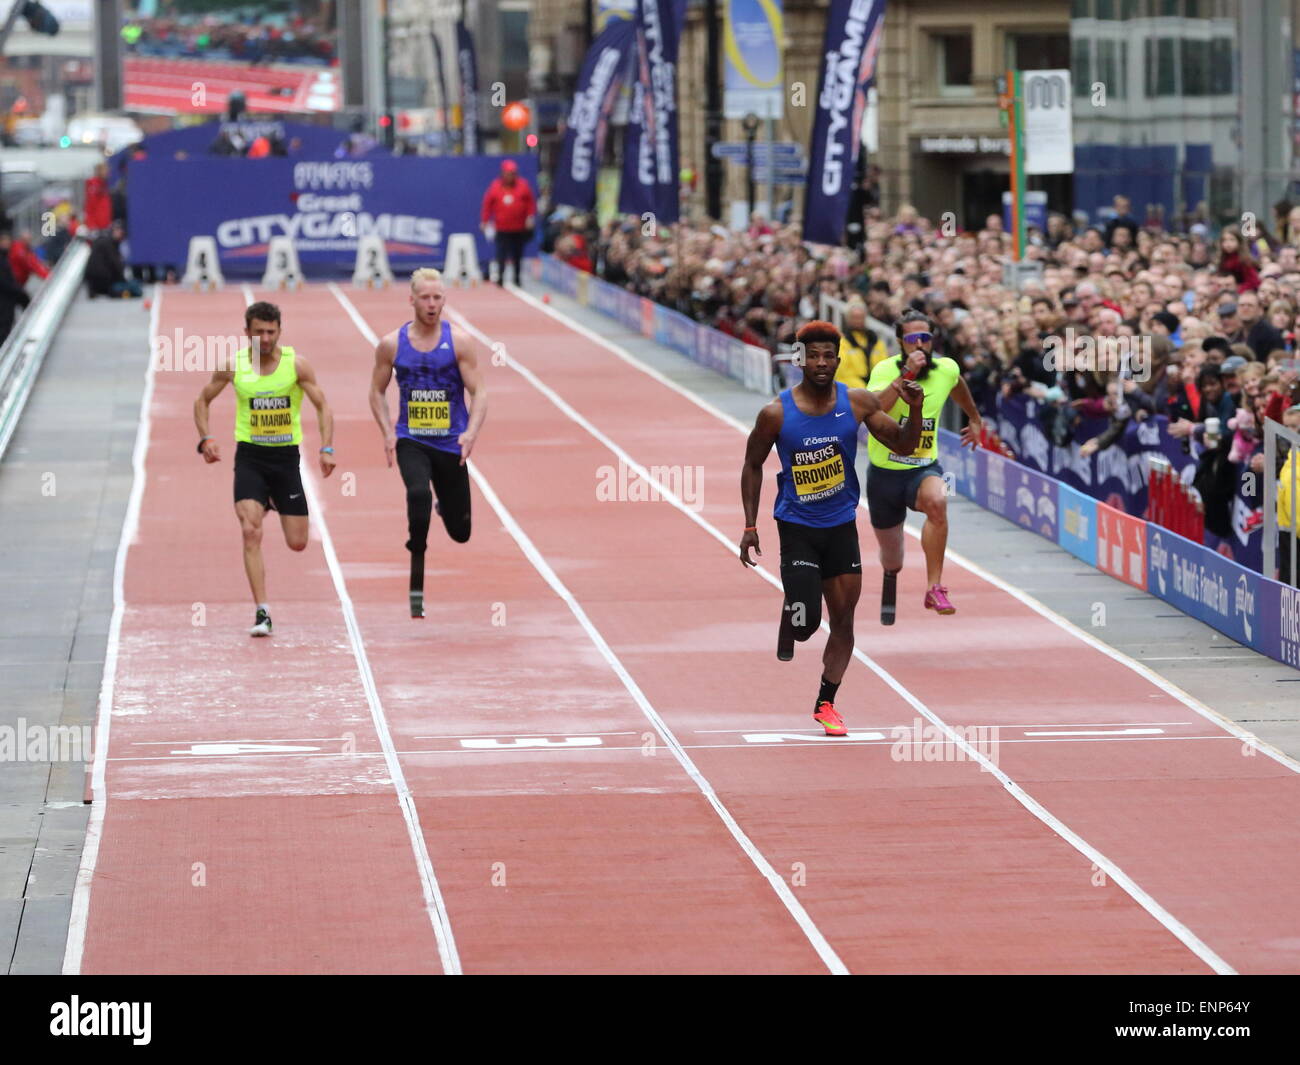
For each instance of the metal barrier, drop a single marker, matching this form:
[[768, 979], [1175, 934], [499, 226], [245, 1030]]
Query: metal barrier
[[1272, 431], [831, 309], [24, 350]]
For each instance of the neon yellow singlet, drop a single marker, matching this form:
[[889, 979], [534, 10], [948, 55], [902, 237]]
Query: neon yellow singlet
[[267, 405], [940, 381]]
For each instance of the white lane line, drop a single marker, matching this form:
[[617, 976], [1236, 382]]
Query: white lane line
[[1199, 658], [519, 735], [811, 741], [1139, 895], [1103, 732], [824, 950], [908, 727], [1188, 700], [76, 946], [434, 904]]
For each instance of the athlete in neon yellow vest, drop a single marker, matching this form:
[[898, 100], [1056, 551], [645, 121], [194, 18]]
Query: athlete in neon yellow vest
[[269, 387], [899, 483]]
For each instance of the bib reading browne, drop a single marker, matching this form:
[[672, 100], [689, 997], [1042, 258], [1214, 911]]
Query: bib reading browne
[[940, 381], [267, 410], [431, 393], [818, 484]]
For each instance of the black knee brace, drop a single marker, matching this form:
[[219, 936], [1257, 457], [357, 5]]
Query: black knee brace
[[803, 597]]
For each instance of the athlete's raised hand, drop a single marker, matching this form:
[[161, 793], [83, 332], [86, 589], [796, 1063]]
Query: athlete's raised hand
[[750, 539], [390, 447], [466, 441], [210, 451], [911, 393]]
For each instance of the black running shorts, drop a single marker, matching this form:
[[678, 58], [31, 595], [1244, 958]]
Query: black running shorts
[[833, 550], [271, 476], [892, 493]]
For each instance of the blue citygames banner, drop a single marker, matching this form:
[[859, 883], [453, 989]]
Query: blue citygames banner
[[963, 466], [467, 66], [673, 329], [1279, 609], [853, 29], [1204, 584], [602, 74], [323, 206]]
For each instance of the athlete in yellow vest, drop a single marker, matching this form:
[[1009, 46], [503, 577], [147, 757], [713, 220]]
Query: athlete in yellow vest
[[269, 387], [899, 483]]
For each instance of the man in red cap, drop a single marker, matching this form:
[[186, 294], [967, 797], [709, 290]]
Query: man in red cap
[[510, 209]]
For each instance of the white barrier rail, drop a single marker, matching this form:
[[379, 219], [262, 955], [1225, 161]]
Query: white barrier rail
[[24, 350], [1272, 431]]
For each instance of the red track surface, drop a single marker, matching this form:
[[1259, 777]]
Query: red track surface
[[608, 856]]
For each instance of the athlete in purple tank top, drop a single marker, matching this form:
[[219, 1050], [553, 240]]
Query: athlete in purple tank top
[[442, 401]]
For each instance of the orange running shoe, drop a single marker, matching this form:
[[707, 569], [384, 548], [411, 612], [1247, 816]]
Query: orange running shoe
[[829, 719]]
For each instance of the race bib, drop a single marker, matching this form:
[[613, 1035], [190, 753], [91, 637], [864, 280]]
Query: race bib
[[270, 420], [817, 474], [428, 412], [925, 451]]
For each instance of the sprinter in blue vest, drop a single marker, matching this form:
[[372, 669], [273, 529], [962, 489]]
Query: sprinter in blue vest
[[815, 429], [442, 401]]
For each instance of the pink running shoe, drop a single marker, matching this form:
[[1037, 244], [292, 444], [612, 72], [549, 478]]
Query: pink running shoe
[[937, 599]]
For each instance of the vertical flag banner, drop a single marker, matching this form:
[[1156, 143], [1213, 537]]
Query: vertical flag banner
[[603, 70], [467, 66], [660, 22], [443, 102], [753, 80], [853, 29], [636, 190]]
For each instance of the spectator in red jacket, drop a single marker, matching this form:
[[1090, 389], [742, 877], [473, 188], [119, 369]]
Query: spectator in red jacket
[[99, 202], [1235, 259], [510, 208], [23, 260]]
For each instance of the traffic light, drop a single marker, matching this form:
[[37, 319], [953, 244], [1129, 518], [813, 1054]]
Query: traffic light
[[39, 18]]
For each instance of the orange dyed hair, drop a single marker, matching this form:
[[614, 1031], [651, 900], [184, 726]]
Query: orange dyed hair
[[817, 330]]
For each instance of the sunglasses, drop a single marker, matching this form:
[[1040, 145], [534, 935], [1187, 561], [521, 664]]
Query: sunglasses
[[918, 338]]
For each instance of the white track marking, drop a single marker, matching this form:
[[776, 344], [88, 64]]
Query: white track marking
[[792, 904], [1139, 895], [1169, 688], [76, 944], [433, 900]]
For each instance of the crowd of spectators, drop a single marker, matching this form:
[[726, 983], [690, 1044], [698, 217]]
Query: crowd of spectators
[[1216, 313], [257, 36]]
